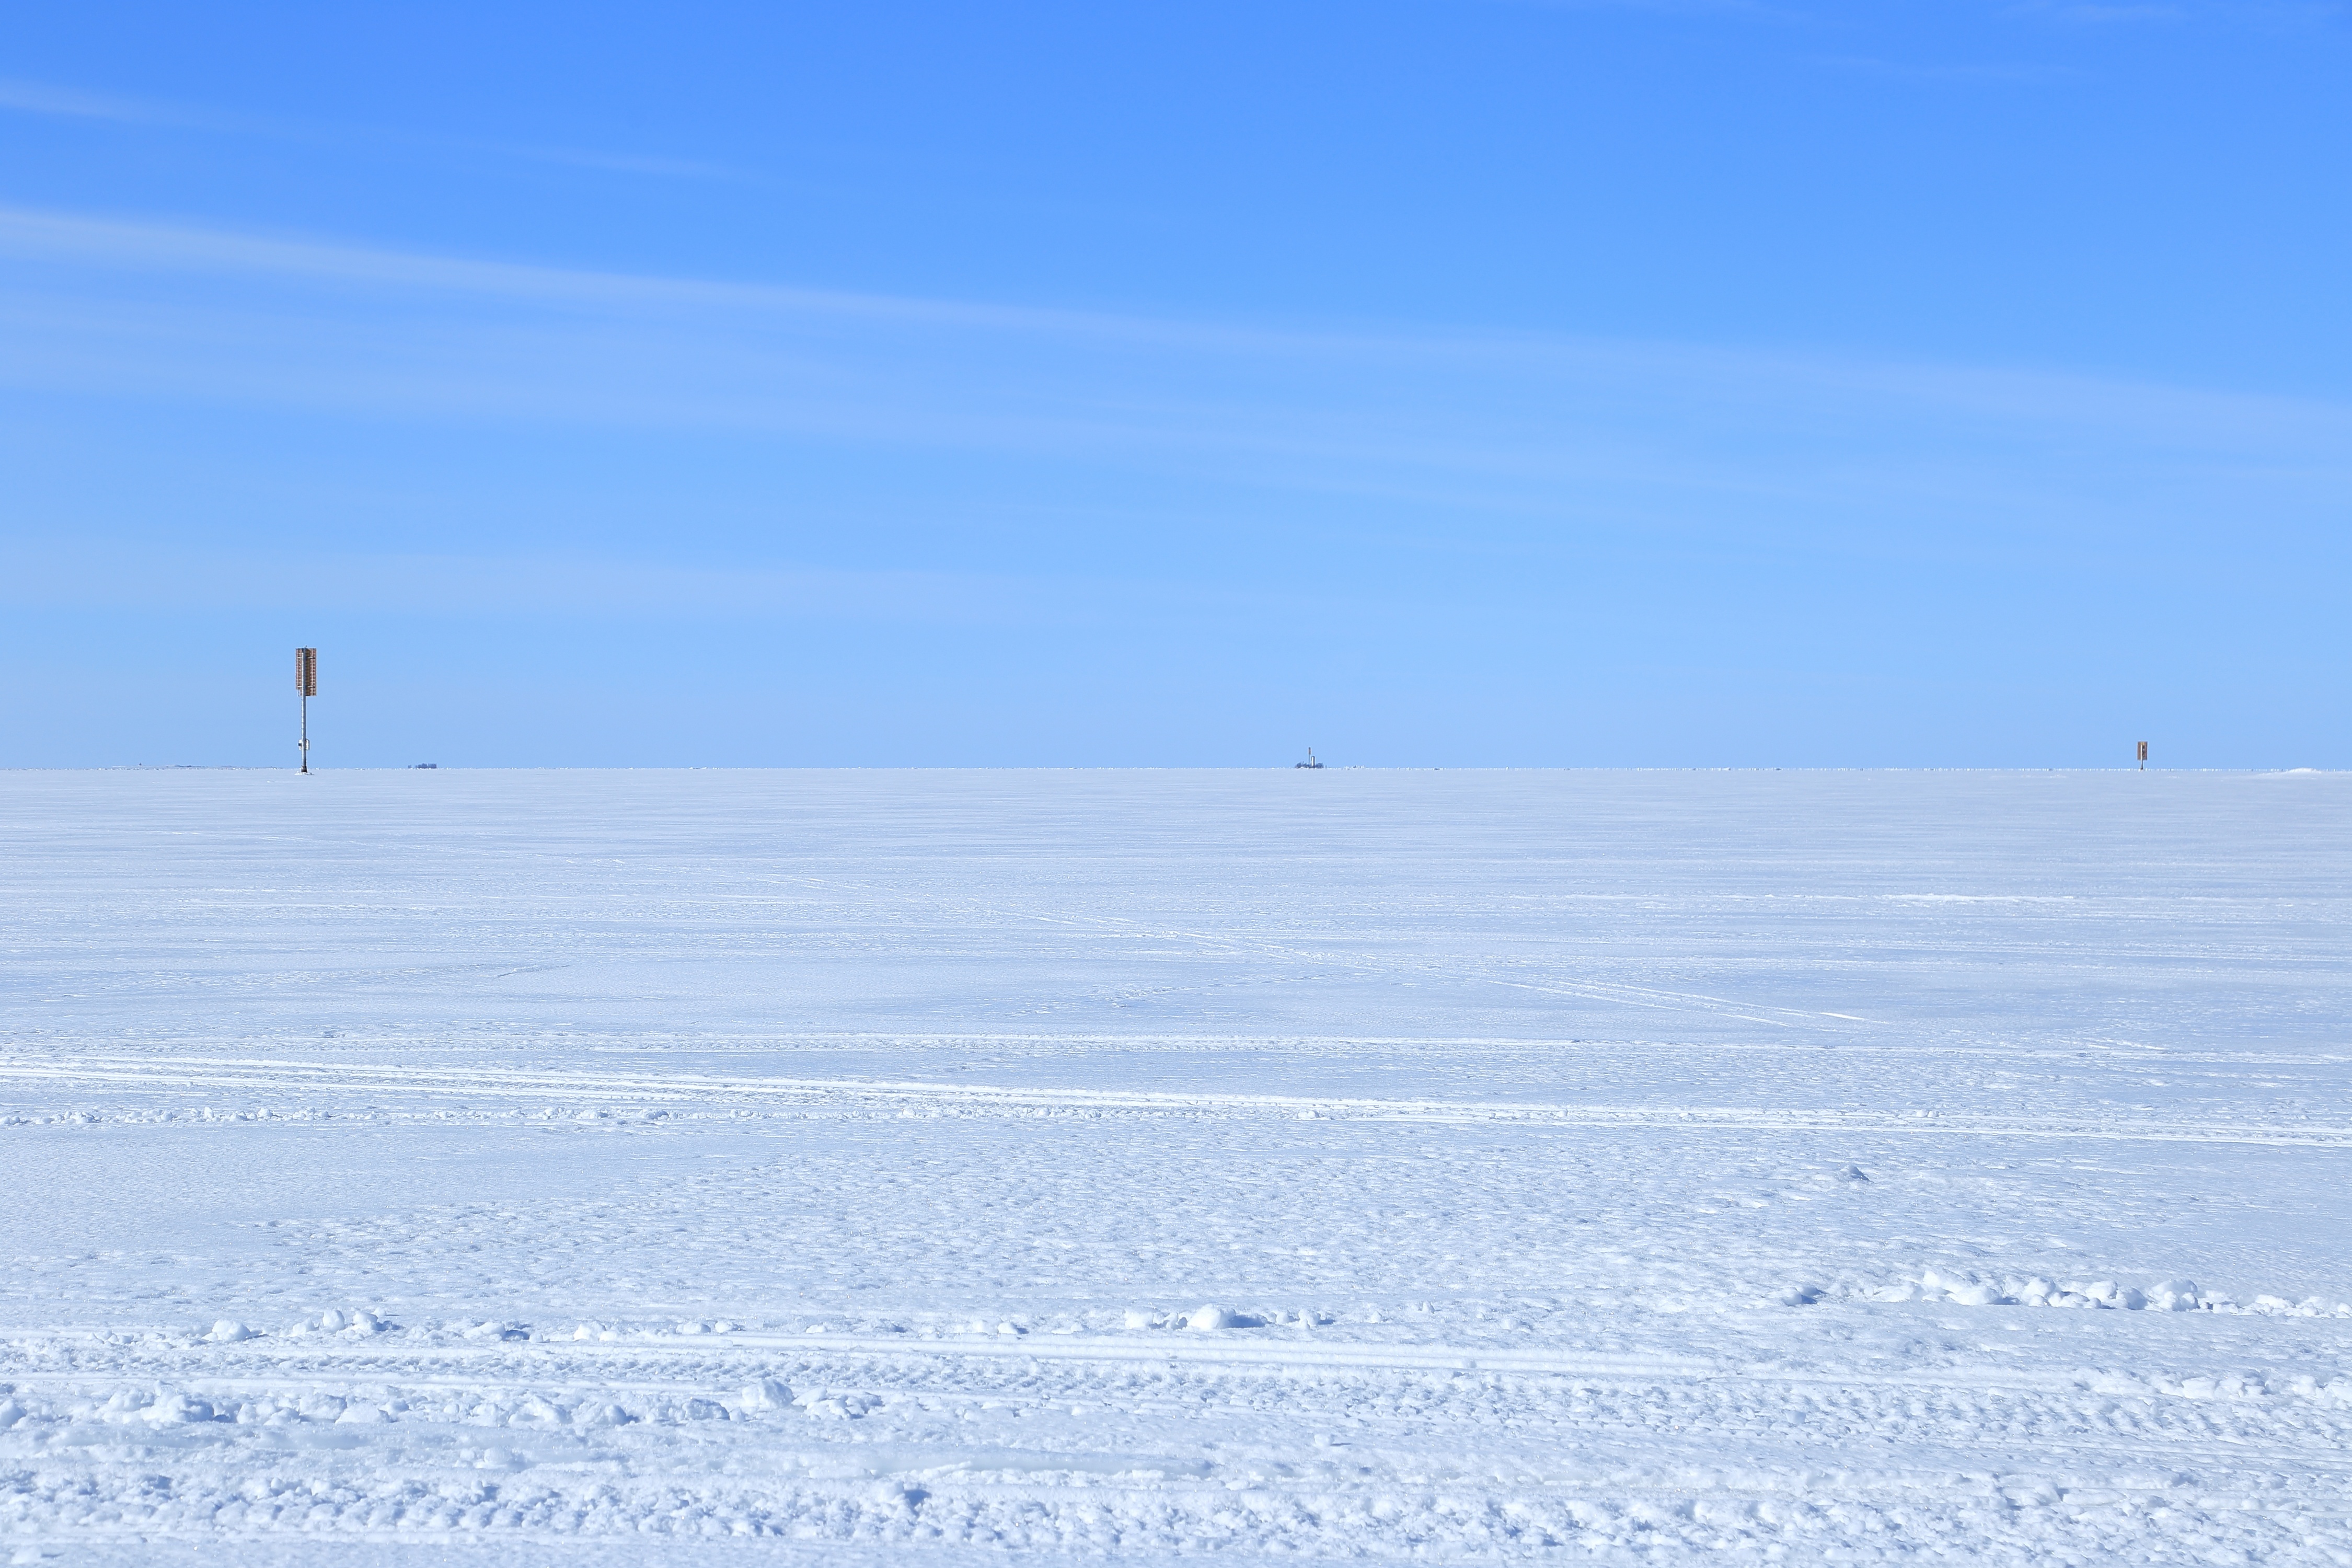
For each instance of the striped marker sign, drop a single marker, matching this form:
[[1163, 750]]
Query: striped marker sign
[[306, 681]]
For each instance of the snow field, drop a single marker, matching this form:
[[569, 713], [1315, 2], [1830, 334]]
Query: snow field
[[1458, 1167]]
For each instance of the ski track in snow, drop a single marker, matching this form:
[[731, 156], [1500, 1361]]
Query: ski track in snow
[[1268, 1166]]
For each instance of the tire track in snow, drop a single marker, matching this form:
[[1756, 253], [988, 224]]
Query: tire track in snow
[[1658, 1424], [281, 1077], [750, 1354]]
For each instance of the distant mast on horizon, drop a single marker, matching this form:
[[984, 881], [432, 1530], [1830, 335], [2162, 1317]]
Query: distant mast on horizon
[[1310, 762]]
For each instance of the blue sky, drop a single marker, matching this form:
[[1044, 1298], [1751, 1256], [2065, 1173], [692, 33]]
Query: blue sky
[[1453, 383]]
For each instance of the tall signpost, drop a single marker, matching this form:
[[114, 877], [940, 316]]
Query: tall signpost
[[2143, 756], [306, 681]]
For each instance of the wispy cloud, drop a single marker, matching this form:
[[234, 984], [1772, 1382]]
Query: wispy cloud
[[68, 103], [139, 246], [156, 247], [72, 104], [1900, 70], [1758, 9], [615, 163], [1502, 425], [69, 571], [35, 233], [2276, 16], [2100, 11]]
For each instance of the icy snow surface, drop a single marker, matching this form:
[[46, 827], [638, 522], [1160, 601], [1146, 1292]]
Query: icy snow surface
[[606, 1168]]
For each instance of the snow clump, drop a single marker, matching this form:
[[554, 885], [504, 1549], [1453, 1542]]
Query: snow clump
[[766, 1395]]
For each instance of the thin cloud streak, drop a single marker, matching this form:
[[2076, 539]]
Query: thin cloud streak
[[1897, 70], [2078, 11], [1676, 422], [2267, 15], [71, 104], [613, 163], [31, 233], [68, 103], [37, 235], [52, 575], [1754, 8], [1506, 426]]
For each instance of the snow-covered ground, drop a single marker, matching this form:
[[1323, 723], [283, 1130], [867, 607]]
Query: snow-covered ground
[[661, 1166]]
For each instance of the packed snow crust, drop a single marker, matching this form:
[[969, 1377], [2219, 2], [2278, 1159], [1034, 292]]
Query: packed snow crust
[[1271, 1166]]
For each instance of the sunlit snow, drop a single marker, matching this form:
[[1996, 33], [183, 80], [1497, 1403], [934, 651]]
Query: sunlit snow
[[1284, 1164]]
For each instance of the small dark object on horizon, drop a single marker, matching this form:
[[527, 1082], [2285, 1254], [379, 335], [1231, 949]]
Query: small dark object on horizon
[[1310, 762], [425, 765]]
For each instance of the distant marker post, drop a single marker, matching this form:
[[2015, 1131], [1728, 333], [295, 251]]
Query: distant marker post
[[306, 681], [2143, 756]]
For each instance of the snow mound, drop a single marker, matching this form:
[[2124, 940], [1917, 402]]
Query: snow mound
[[177, 1409], [767, 1393]]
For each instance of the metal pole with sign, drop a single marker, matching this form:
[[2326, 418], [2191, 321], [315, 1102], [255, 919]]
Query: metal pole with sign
[[306, 681]]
